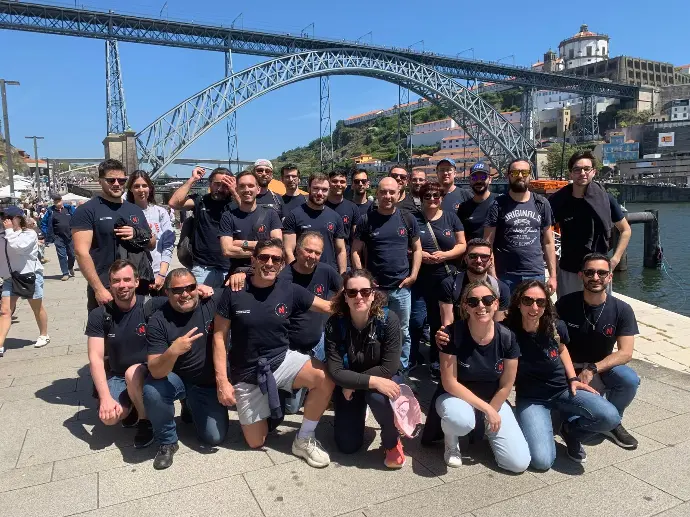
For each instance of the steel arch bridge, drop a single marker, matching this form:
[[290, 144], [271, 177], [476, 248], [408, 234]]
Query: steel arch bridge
[[167, 137]]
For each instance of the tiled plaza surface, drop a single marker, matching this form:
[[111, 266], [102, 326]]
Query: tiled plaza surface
[[56, 459]]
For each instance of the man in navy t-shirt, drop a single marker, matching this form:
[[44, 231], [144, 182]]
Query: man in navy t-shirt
[[264, 172], [473, 212], [345, 208], [388, 233], [360, 185], [519, 227], [314, 215], [96, 238], [289, 175], [242, 227], [453, 195]]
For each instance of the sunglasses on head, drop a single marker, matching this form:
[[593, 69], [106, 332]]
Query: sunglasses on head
[[528, 301], [473, 301], [479, 256], [112, 181], [601, 273], [365, 292], [265, 257], [432, 195], [517, 173], [183, 289]]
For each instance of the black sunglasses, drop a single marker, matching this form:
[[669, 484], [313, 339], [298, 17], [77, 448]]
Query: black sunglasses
[[119, 181], [473, 301], [602, 273], [183, 289], [396, 176], [265, 257], [481, 256], [432, 195], [359, 182], [528, 301], [352, 293]]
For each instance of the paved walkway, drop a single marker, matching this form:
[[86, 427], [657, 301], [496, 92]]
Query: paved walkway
[[57, 460]]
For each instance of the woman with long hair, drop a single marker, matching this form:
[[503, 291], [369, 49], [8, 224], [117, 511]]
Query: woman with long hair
[[443, 243], [363, 345], [478, 368], [19, 254], [141, 191], [546, 380]]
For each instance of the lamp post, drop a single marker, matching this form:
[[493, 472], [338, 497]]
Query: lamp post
[[6, 121], [38, 174]]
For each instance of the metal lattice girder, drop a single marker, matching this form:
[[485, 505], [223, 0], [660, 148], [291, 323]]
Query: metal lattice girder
[[116, 112], [588, 125], [404, 126], [325, 128], [95, 24], [231, 122], [528, 114], [168, 136]]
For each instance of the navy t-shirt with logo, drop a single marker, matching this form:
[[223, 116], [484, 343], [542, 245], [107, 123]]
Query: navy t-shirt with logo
[[307, 327], [349, 213], [364, 207], [519, 227], [473, 215], [593, 329], [260, 322], [125, 342], [272, 200], [387, 238], [248, 226], [100, 216], [444, 229], [292, 202], [166, 325], [208, 214], [452, 201], [541, 374], [480, 366], [327, 222]]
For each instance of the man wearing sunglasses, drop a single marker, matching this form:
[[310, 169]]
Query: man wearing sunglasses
[[180, 361], [519, 228], [360, 185], [586, 214], [289, 175], [473, 212], [346, 209], [453, 195], [411, 201], [264, 171], [261, 362], [94, 233], [596, 322]]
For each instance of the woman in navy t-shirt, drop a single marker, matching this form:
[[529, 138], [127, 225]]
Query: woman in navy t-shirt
[[478, 369], [546, 380]]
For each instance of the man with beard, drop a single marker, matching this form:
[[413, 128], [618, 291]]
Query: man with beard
[[452, 194], [120, 327], [180, 361], [264, 172], [261, 362], [94, 233], [360, 185], [345, 208], [473, 212], [478, 262], [242, 227], [519, 227], [209, 263], [55, 225], [289, 175], [314, 215], [412, 202], [596, 322]]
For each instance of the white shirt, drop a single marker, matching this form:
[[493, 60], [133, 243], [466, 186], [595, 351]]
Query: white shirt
[[22, 250]]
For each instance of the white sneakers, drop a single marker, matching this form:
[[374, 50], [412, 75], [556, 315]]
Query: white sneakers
[[42, 341], [452, 454], [311, 450], [2, 351]]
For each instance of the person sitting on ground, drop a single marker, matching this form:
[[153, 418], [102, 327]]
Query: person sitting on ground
[[261, 362], [478, 370], [120, 328], [598, 321], [363, 344], [546, 380], [179, 360]]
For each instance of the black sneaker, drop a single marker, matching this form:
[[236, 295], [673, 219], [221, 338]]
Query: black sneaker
[[164, 456], [144, 436], [622, 437], [185, 413], [435, 370], [410, 382], [576, 451], [131, 419]]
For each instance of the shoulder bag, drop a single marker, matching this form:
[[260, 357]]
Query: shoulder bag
[[438, 248]]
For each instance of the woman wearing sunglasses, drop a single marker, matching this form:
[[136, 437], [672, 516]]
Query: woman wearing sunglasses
[[546, 381], [363, 345], [478, 370], [443, 242]]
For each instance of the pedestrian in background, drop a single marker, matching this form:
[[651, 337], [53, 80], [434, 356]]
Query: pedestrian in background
[[55, 225]]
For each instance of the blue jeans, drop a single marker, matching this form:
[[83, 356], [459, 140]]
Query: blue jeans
[[400, 302], [417, 319], [621, 386], [210, 276], [587, 414], [210, 417], [65, 253], [118, 390], [512, 280], [508, 443]]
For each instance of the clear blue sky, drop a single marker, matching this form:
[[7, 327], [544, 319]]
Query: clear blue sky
[[62, 92]]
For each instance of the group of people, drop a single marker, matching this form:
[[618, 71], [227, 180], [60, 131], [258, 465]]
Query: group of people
[[297, 301]]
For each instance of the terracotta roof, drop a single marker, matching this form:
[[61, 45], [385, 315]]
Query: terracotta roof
[[365, 114]]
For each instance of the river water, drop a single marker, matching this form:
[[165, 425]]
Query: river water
[[668, 287]]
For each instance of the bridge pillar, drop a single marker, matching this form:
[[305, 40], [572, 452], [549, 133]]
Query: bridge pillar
[[116, 112], [122, 147], [528, 114], [325, 128], [404, 126], [588, 124], [231, 123]]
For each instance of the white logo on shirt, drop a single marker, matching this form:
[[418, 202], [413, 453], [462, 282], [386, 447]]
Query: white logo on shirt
[[572, 325], [107, 218], [464, 365], [248, 311]]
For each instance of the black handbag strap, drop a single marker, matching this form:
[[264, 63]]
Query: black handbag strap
[[7, 256], [433, 238]]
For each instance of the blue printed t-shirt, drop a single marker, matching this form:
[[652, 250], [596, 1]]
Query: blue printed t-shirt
[[444, 229], [473, 215], [387, 238], [327, 222], [306, 327], [519, 227], [452, 200], [248, 226]]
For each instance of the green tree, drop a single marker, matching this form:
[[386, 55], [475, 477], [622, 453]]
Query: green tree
[[555, 164], [630, 117]]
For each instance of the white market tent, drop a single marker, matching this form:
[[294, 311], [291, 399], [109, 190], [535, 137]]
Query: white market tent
[[73, 198]]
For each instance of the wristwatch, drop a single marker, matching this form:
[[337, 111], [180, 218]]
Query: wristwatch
[[573, 379], [245, 245], [592, 367]]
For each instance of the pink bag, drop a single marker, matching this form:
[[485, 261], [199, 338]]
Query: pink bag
[[406, 412]]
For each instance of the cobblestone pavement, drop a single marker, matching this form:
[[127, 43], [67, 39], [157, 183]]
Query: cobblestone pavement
[[57, 460]]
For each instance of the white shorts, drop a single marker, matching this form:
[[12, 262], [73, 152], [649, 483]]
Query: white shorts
[[252, 405]]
